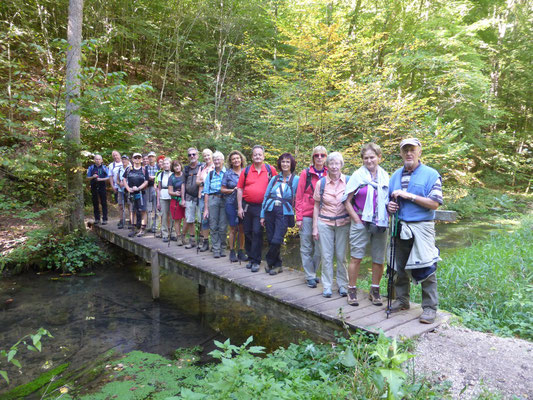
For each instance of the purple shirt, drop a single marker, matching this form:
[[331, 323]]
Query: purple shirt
[[360, 199]]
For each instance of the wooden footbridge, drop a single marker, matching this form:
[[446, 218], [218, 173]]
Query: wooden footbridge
[[284, 296]]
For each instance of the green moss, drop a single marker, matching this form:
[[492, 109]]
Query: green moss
[[30, 387]]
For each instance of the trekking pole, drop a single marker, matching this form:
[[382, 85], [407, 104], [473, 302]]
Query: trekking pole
[[392, 261], [154, 218], [123, 210], [171, 226], [197, 235], [238, 244]]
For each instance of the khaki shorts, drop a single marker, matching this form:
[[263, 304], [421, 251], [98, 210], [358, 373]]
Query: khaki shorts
[[360, 238], [192, 208]]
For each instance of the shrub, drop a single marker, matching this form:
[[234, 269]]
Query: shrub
[[46, 249]]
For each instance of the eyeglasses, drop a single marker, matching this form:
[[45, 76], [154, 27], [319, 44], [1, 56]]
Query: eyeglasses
[[192, 154], [319, 155]]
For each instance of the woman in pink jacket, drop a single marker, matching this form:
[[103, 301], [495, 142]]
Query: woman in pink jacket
[[309, 248]]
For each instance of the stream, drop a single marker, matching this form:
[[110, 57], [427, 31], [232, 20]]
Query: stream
[[113, 310]]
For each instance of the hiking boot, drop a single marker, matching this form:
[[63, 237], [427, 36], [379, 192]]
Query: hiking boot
[[141, 233], [249, 265], [165, 240], [233, 256], [158, 234], [205, 245], [241, 256], [398, 305], [192, 244], [254, 268], [132, 233], [327, 293], [174, 238], [268, 268], [180, 240], [374, 296], [311, 283], [104, 222], [352, 296], [428, 316], [342, 292], [216, 254], [120, 225], [222, 252], [275, 271]]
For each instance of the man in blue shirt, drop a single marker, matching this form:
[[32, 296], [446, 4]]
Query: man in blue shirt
[[98, 175], [415, 192]]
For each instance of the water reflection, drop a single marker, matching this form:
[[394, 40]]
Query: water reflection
[[222, 313], [88, 316]]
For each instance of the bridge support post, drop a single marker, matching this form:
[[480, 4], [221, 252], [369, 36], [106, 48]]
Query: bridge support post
[[155, 274], [201, 289]]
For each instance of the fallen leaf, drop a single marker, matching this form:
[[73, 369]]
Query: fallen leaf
[[269, 286], [63, 390]]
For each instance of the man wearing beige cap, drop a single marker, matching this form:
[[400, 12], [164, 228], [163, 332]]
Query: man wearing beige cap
[[415, 192]]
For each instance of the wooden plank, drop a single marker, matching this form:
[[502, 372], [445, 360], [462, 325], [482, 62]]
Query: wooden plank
[[397, 319], [415, 328]]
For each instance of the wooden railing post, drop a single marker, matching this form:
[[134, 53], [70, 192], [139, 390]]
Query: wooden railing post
[[155, 274]]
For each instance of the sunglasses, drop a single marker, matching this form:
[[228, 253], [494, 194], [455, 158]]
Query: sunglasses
[[192, 154], [137, 157], [319, 155]]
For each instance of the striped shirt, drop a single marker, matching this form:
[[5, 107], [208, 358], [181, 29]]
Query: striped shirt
[[436, 190], [152, 170]]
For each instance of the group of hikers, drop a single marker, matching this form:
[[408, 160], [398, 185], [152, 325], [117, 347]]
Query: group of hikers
[[197, 202]]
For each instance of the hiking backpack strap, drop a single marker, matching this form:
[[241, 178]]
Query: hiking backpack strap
[[308, 180]]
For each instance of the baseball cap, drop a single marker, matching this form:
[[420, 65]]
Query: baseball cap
[[136, 154], [125, 157], [411, 141], [151, 154]]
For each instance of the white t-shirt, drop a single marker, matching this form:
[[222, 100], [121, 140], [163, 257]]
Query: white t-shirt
[[163, 194], [114, 167]]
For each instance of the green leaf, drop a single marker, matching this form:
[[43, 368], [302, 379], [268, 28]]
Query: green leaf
[[11, 354], [394, 377], [4, 375], [16, 363], [347, 358]]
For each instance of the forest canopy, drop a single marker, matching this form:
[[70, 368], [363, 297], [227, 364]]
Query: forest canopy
[[163, 75]]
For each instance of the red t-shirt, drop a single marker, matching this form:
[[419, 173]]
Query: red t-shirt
[[256, 184]]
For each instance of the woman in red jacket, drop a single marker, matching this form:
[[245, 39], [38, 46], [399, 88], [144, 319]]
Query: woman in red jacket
[[309, 248]]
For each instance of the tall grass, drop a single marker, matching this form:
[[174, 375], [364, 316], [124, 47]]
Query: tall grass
[[490, 284]]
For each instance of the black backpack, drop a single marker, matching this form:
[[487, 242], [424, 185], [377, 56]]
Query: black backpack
[[186, 171]]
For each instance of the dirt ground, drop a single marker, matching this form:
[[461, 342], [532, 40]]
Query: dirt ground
[[476, 363]]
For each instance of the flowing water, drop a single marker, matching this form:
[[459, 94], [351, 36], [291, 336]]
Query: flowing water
[[113, 310]]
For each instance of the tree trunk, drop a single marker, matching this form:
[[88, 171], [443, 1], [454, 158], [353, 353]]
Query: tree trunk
[[75, 214]]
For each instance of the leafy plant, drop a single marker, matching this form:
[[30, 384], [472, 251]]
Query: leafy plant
[[47, 249], [34, 345], [390, 370]]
